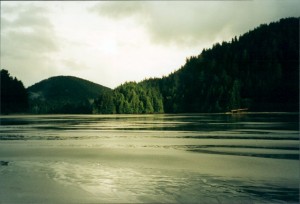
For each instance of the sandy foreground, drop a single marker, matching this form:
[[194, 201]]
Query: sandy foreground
[[84, 172]]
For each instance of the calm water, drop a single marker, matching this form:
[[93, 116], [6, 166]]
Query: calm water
[[198, 158]]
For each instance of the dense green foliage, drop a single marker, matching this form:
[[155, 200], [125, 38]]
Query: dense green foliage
[[13, 95], [259, 70], [130, 98], [64, 94]]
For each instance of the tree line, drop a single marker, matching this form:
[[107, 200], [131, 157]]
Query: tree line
[[258, 70], [129, 98], [14, 97]]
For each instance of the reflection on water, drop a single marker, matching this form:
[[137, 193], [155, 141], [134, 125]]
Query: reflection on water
[[158, 158], [166, 186]]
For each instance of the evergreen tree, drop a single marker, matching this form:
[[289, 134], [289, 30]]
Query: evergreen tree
[[13, 96]]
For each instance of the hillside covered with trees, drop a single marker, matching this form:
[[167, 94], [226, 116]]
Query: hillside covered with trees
[[64, 94], [130, 97], [13, 95], [259, 70]]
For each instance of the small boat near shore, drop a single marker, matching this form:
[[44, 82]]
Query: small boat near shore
[[238, 111]]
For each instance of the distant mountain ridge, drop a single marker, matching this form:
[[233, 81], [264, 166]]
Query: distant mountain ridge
[[63, 94], [258, 70]]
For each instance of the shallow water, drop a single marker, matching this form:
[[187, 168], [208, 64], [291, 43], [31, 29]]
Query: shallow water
[[196, 158]]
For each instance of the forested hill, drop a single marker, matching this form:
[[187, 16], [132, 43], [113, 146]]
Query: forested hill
[[13, 95], [64, 94], [258, 70]]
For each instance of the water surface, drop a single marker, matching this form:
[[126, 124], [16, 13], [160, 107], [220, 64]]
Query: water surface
[[196, 158]]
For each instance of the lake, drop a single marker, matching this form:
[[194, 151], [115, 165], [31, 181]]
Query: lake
[[180, 158]]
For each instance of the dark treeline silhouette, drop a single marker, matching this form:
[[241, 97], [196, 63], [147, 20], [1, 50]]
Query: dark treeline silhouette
[[13, 94], [130, 98], [64, 94], [259, 70]]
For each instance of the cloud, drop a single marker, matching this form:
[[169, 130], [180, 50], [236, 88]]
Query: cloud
[[73, 64], [120, 9], [113, 42], [188, 23], [27, 41]]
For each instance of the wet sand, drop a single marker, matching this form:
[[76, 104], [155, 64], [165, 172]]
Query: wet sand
[[66, 172]]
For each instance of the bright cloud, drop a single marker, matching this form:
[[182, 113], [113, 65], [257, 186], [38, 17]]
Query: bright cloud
[[113, 42]]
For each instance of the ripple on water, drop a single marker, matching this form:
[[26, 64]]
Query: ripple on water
[[115, 184]]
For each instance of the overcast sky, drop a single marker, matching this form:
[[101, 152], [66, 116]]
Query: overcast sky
[[111, 42]]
